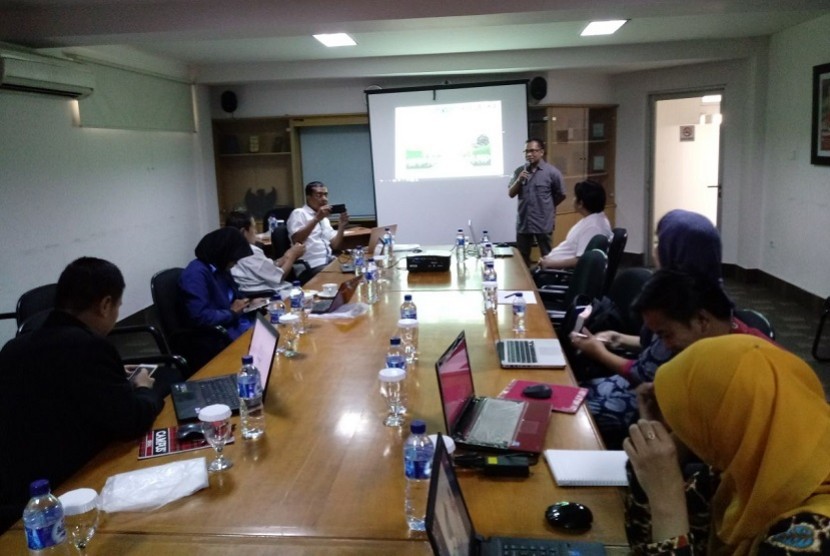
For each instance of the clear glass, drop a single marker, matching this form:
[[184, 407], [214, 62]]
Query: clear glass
[[81, 527], [392, 392], [409, 342], [217, 433], [381, 262], [290, 337], [308, 305]]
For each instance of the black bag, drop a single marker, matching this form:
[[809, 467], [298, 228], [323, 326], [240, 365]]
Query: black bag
[[605, 315]]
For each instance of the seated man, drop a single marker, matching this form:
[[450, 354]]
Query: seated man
[[64, 394], [310, 225], [589, 201], [258, 272]]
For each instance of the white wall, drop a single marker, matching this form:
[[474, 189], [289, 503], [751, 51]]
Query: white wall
[[136, 198], [796, 210]]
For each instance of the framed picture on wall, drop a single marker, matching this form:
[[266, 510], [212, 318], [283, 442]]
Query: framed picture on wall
[[820, 143]]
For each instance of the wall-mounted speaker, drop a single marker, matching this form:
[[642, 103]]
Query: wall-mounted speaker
[[538, 88], [228, 102]]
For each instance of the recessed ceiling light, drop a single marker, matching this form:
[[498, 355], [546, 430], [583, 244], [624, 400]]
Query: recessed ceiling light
[[335, 39], [603, 27]]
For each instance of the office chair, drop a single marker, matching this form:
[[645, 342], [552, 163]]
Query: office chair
[[197, 345], [546, 277], [36, 300], [280, 243], [588, 279], [624, 290], [820, 351], [756, 320], [281, 212], [619, 238]]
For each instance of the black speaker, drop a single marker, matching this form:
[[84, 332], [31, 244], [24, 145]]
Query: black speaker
[[538, 88], [228, 101]]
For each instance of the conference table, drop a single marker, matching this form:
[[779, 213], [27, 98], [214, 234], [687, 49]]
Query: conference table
[[328, 475]]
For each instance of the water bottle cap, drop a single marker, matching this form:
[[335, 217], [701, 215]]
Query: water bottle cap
[[418, 427], [520, 295], [275, 297], [215, 412], [485, 232], [395, 341], [39, 487], [407, 323], [407, 297], [460, 230], [79, 501], [490, 262], [386, 229], [391, 374], [295, 283], [247, 359]]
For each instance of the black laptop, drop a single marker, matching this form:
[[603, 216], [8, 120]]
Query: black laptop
[[343, 295], [450, 527], [191, 396]]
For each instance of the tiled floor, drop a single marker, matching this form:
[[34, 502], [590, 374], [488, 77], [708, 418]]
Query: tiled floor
[[794, 324]]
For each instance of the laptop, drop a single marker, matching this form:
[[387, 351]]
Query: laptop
[[189, 397], [499, 250], [343, 295], [531, 353], [376, 234], [486, 423], [450, 527]]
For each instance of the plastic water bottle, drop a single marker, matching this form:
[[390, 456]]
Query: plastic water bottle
[[251, 413], [408, 332], [519, 310], [44, 522], [487, 252], [417, 464], [295, 296], [460, 245], [272, 223], [359, 261], [489, 288], [388, 245], [276, 308], [395, 357], [371, 281], [408, 308], [485, 238]]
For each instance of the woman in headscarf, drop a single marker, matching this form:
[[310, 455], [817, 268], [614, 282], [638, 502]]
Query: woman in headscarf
[[210, 294], [758, 418]]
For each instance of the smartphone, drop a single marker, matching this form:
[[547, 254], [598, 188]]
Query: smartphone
[[337, 209], [132, 370]]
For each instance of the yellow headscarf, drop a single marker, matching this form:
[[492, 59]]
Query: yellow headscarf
[[757, 414]]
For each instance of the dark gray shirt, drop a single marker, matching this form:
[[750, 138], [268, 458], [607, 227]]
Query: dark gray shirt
[[538, 199]]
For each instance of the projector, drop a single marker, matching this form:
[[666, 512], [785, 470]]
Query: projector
[[428, 262]]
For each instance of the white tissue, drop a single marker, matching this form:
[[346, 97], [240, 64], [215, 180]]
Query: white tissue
[[347, 311], [151, 488]]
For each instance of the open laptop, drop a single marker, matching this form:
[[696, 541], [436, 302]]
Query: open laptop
[[482, 422], [531, 353], [450, 527], [343, 295], [189, 397], [498, 250], [376, 234]]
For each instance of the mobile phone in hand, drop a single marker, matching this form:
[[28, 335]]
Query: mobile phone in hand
[[337, 209], [132, 370]]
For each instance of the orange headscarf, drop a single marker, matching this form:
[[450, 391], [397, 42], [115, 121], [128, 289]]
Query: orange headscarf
[[757, 414]]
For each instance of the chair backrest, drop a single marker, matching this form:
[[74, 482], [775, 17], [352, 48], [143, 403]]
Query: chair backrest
[[35, 301], [600, 242], [164, 287], [624, 290], [755, 320], [619, 238], [280, 213], [589, 276], [280, 241]]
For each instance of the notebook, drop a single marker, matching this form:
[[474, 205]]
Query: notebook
[[450, 527], [587, 467], [565, 399], [189, 397], [376, 234], [343, 295], [482, 422], [530, 353]]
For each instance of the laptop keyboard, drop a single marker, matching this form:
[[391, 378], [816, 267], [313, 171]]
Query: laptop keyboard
[[521, 351], [530, 547], [219, 391], [496, 423]]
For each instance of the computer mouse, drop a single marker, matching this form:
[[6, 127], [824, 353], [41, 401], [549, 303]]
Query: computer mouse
[[538, 391], [189, 431], [570, 516]]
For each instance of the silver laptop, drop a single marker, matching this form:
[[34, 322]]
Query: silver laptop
[[531, 353], [498, 250], [376, 234]]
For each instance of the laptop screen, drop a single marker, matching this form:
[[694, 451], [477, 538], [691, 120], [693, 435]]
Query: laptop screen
[[263, 346], [377, 233], [455, 381], [448, 522]]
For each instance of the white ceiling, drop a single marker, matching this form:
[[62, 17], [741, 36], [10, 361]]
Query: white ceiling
[[249, 40]]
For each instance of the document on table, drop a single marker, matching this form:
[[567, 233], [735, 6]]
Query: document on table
[[587, 467]]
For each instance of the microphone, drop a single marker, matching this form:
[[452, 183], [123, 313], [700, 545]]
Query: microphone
[[526, 169]]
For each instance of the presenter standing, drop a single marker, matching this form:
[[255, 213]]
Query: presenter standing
[[540, 190]]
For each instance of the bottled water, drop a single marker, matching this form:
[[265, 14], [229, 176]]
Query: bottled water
[[408, 308], [251, 413], [408, 332], [417, 463], [460, 245], [485, 238], [519, 310], [489, 287], [359, 262], [371, 282], [276, 308], [296, 298], [388, 244], [487, 253], [272, 223], [395, 357], [43, 521]]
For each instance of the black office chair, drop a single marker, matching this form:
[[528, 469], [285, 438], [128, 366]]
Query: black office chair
[[280, 243], [619, 238], [588, 280], [821, 351], [756, 320], [34, 301], [547, 277], [281, 212], [197, 345], [624, 290]]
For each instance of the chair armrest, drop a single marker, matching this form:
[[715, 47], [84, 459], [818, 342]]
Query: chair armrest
[[139, 329], [4, 316], [176, 361], [545, 277]]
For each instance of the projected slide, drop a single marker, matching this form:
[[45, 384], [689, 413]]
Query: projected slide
[[449, 140]]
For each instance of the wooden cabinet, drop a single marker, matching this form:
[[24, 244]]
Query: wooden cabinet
[[253, 165], [581, 143]]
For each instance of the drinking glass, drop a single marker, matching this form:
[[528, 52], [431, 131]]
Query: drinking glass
[[290, 333], [216, 425], [80, 509], [380, 261], [308, 305], [408, 333], [392, 389]]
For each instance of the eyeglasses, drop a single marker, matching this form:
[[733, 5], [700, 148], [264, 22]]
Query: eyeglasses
[[320, 193], [526, 151]]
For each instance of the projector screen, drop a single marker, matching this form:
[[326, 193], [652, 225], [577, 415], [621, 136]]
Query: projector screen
[[442, 156]]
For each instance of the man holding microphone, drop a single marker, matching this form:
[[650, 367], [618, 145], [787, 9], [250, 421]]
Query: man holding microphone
[[540, 190]]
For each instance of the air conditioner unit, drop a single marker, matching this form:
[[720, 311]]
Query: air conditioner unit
[[32, 73]]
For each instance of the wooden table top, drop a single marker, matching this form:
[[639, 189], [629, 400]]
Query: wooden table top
[[328, 471]]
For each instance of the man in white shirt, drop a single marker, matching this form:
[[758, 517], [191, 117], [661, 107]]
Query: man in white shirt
[[258, 272], [310, 225], [589, 201]]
